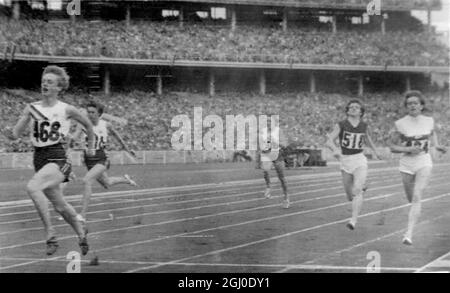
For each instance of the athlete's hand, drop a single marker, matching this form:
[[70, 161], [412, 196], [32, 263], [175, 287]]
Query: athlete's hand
[[414, 150], [337, 154], [376, 156], [8, 133], [90, 152], [441, 149]]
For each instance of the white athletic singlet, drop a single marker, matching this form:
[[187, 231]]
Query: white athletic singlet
[[49, 124]]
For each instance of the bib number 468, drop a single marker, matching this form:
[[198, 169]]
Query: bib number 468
[[44, 131]]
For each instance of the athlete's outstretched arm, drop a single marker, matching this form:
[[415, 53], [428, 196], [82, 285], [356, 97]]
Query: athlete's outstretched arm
[[435, 142], [371, 144], [75, 114], [76, 134], [20, 126], [118, 137], [331, 139]]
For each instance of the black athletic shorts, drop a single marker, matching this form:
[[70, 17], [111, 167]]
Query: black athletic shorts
[[52, 154], [99, 158]]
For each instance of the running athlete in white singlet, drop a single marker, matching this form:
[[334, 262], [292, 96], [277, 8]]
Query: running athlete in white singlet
[[98, 164], [272, 155], [49, 120], [413, 137]]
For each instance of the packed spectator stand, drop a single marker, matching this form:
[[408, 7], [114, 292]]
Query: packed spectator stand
[[305, 117], [167, 41]]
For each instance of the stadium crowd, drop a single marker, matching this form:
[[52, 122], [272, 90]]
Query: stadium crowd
[[306, 117], [167, 41]]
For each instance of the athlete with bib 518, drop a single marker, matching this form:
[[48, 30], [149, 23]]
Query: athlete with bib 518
[[353, 134]]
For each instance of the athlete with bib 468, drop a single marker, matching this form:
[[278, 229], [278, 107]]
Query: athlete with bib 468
[[50, 123]]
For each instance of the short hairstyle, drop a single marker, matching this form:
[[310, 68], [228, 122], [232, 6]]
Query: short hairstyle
[[63, 77], [418, 94], [95, 105], [355, 101]]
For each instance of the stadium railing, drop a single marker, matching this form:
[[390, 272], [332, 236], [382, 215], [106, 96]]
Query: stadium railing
[[334, 4], [7, 50]]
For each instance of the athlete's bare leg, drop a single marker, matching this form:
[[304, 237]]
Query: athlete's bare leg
[[354, 185], [422, 178], [88, 180]]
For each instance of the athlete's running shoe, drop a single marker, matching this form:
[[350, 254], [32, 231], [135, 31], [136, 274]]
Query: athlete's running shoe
[[350, 226], [81, 219], [267, 193], [286, 203], [52, 245], [407, 241], [365, 187], [84, 246], [130, 181]]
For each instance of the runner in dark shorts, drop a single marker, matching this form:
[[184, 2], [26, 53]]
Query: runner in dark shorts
[[50, 123]]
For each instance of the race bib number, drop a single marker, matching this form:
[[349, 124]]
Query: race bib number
[[352, 140], [421, 143], [45, 131], [99, 142]]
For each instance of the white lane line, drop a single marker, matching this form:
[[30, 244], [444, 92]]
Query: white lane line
[[27, 202], [361, 244], [210, 215], [236, 225], [199, 264], [234, 195], [295, 184], [434, 263], [219, 251]]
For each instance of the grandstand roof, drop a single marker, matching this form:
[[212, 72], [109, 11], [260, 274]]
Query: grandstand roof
[[389, 5]]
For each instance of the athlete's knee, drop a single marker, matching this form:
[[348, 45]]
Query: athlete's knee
[[87, 180], [357, 190], [417, 197], [105, 182], [60, 208], [418, 192], [33, 186], [349, 195]]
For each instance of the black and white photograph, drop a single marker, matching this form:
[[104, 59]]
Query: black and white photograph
[[239, 138]]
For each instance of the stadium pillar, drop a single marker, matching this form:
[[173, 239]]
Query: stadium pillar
[[106, 81], [181, 17], [383, 25], [360, 85], [262, 82], [407, 83], [233, 18], [334, 23], [159, 85], [212, 83], [285, 19], [16, 10], [312, 82], [429, 18], [127, 15]]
